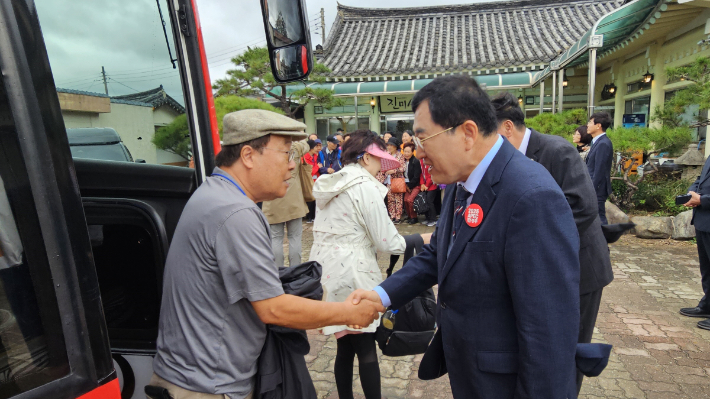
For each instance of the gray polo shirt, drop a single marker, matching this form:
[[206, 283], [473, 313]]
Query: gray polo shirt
[[220, 259]]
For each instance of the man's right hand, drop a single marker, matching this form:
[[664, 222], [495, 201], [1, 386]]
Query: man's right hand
[[424, 187], [363, 308], [331, 171], [694, 200]]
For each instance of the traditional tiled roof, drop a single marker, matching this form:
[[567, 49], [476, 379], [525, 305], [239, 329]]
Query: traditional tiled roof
[[80, 92], [366, 42], [156, 97]]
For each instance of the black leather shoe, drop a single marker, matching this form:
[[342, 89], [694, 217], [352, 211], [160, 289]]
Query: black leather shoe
[[705, 324], [695, 312]]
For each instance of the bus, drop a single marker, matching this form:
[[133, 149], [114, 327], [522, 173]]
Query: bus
[[83, 242]]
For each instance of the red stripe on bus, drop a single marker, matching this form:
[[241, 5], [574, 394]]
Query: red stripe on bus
[[304, 59], [110, 390], [208, 83]]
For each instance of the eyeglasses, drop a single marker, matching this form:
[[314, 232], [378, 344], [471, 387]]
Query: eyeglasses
[[418, 142], [291, 155]]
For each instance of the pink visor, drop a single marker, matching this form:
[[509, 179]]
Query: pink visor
[[388, 161]]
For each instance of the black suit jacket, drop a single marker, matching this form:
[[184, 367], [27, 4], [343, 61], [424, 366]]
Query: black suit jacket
[[508, 302], [599, 166], [701, 214], [414, 171], [567, 168]]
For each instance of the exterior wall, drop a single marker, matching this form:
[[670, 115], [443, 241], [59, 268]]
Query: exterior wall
[[135, 125], [677, 49], [164, 115]]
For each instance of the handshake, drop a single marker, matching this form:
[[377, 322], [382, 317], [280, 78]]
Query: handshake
[[362, 307]]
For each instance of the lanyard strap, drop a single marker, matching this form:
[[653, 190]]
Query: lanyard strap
[[231, 181]]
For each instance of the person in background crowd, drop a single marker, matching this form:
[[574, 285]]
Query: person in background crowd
[[339, 136], [582, 140], [432, 191], [339, 131], [351, 227], [313, 137], [412, 176], [395, 201], [700, 202], [407, 138], [329, 157], [221, 286], [599, 159], [505, 257], [570, 173], [386, 136], [311, 158], [287, 212]]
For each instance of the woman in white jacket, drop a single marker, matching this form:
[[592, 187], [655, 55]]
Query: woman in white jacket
[[351, 225]]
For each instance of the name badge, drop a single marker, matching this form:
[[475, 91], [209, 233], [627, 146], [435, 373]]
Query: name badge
[[473, 215]]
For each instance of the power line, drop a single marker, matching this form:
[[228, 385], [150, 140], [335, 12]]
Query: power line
[[110, 78], [76, 81]]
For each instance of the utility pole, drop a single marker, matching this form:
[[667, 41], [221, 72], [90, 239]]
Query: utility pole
[[322, 23], [103, 73]]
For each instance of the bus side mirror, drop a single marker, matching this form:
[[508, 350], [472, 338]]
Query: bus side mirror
[[288, 38]]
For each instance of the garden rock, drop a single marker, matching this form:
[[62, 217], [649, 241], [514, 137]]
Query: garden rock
[[682, 229], [653, 227], [614, 215]]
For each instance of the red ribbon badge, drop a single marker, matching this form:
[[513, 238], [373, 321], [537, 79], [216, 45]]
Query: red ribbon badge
[[473, 215]]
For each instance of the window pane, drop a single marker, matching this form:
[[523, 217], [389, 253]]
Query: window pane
[[32, 351], [111, 65]]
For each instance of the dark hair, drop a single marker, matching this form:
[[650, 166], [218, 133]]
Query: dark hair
[[231, 153], [454, 99], [584, 137], [387, 132], [358, 143], [409, 132], [602, 118], [311, 144], [410, 145], [508, 108]]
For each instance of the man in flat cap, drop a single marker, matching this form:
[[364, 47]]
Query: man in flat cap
[[221, 285]]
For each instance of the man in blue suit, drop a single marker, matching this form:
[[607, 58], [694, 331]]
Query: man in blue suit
[[599, 159], [700, 202], [505, 255]]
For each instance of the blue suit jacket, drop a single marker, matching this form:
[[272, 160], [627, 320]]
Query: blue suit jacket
[[508, 302], [701, 214], [599, 166]]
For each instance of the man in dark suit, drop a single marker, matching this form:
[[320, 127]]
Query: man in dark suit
[[599, 159], [505, 255], [567, 168], [700, 202]]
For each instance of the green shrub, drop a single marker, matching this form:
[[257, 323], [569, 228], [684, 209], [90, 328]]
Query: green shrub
[[659, 196], [563, 124]]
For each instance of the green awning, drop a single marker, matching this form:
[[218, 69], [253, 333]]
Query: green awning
[[614, 27], [351, 89]]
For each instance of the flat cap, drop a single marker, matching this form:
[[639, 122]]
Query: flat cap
[[249, 124]]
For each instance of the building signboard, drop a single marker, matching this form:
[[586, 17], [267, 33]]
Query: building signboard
[[396, 103]]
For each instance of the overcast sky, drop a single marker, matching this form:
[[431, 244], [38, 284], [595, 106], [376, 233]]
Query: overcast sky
[[126, 37]]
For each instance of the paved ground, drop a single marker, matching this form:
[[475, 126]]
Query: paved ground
[[657, 352]]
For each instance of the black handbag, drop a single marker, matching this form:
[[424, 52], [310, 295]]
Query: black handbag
[[414, 324], [421, 206]]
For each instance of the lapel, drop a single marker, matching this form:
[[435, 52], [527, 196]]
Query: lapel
[[591, 149], [445, 225], [705, 174], [533, 145], [485, 197]]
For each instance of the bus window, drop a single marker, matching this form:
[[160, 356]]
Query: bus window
[[113, 68], [32, 349]]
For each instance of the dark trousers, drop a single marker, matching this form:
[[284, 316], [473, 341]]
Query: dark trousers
[[602, 210], [588, 310], [703, 239], [311, 210], [431, 200]]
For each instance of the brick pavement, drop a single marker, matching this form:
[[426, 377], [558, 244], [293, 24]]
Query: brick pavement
[[657, 352]]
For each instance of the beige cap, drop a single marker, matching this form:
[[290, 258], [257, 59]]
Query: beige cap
[[249, 124]]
